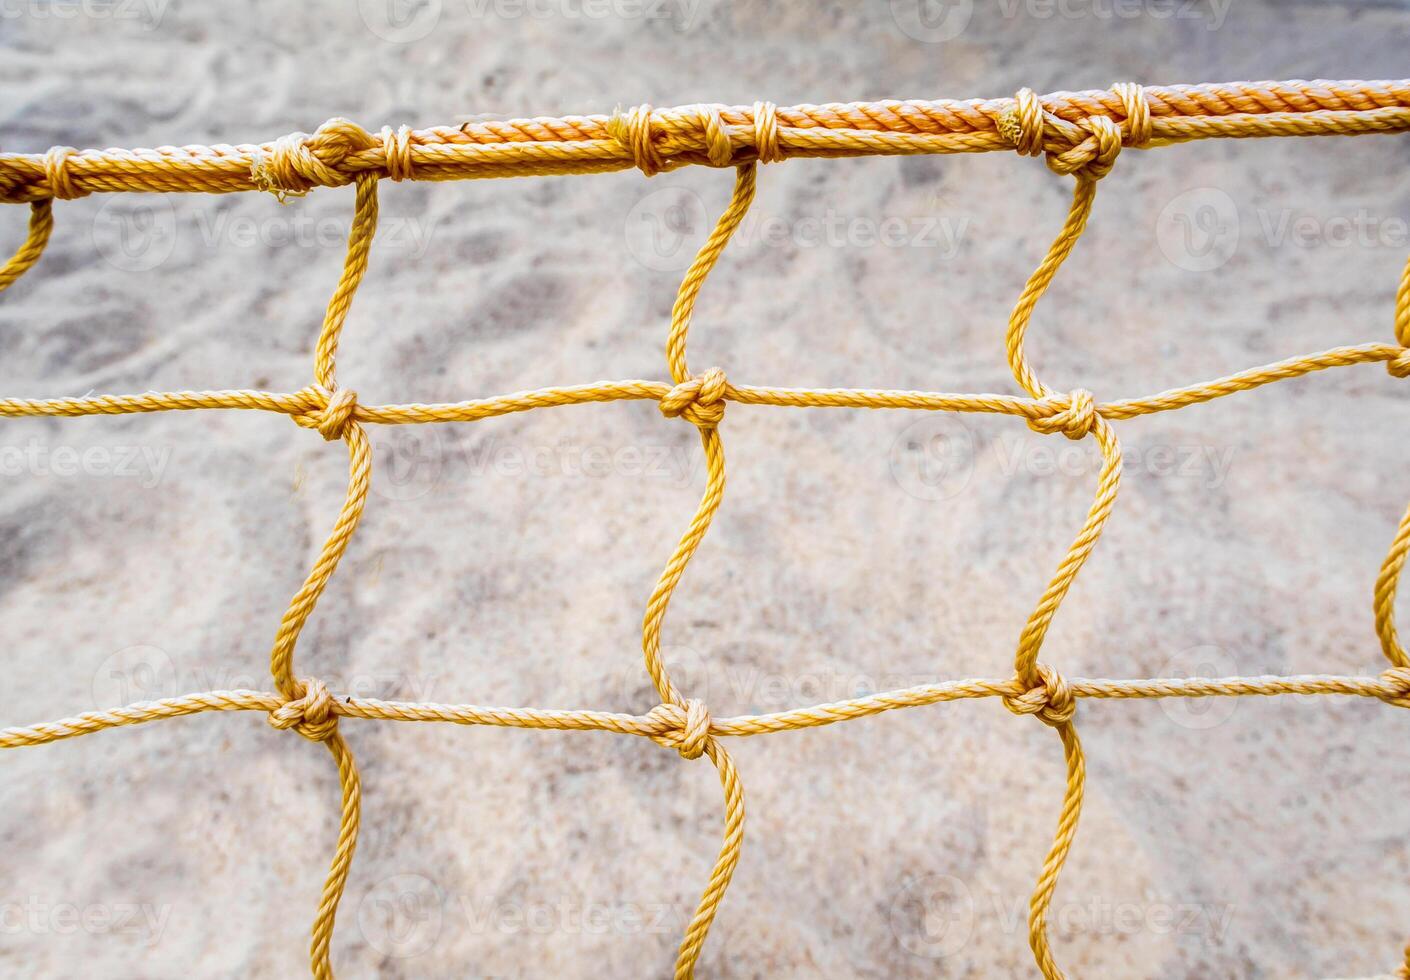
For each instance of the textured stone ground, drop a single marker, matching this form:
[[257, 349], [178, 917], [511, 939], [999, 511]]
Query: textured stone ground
[[508, 562]]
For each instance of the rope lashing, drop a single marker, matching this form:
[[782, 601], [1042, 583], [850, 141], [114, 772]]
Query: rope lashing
[[58, 176], [297, 163], [719, 149], [700, 129], [632, 129], [1087, 148], [766, 136], [396, 146]]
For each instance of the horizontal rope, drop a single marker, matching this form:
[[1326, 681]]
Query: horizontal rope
[[659, 724], [311, 402], [710, 135]]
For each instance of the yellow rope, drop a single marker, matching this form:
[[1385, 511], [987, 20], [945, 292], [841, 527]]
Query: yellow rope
[[1081, 134]]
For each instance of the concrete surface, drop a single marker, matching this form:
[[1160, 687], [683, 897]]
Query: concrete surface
[[508, 562]]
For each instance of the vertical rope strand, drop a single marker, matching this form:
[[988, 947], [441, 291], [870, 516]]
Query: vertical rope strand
[[682, 312], [1388, 581], [301, 606], [1083, 195], [41, 225], [701, 402], [685, 549], [350, 818], [364, 229], [701, 267], [1051, 698], [1057, 854], [334, 421], [1108, 480], [1108, 483], [725, 864]]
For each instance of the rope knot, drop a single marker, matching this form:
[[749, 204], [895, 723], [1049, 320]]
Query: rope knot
[[309, 712], [719, 150], [1399, 366], [56, 174], [1398, 680], [700, 399], [766, 132], [335, 412], [1051, 699], [1074, 414], [1086, 148], [1022, 123], [1092, 157], [633, 130], [688, 729], [295, 164], [1137, 130], [396, 147]]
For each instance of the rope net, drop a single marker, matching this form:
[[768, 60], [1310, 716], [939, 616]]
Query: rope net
[[1080, 134]]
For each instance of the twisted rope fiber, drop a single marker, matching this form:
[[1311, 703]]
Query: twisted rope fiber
[[1081, 134], [1065, 126]]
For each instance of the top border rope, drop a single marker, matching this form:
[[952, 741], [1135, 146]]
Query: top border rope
[[1063, 125], [1080, 134]]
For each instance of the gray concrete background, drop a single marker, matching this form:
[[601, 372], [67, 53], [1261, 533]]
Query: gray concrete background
[[508, 562]]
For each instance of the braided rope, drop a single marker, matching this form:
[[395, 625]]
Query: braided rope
[[1081, 134]]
